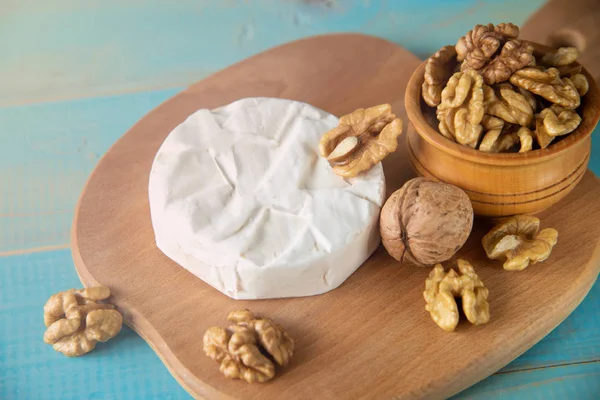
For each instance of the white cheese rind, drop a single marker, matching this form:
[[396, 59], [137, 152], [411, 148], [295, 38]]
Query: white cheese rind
[[240, 198]]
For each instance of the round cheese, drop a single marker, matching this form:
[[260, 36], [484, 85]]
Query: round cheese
[[240, 197]]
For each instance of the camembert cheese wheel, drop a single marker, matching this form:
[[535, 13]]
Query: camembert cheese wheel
[[240, 197]]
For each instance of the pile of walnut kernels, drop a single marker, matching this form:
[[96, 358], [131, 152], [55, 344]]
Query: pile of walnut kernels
[[493, 92]]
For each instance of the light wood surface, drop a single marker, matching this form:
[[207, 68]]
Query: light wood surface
[[568, 23], [371, 337], [502, 184]]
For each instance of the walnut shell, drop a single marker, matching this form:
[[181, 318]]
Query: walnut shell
[[425, 222]]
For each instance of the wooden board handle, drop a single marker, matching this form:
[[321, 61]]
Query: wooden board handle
[[568, 23], [568, 37]]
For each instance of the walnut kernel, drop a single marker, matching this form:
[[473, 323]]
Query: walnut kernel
[[560, 57], [461, 109], [491, 141], [580, 82], [554, 121], [526, 138], [530, 97], [506, 139], [362, 139], [239, 348], [75, 320], [506, 103], [548, 84], [507, 29], [438, 70], [570, 69], [541, 136], [495, 51], [515, 55], [559, 121], [517, 240], [442, 287], [478, 46]]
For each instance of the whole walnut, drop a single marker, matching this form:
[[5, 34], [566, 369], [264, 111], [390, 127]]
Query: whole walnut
[[425, 222]]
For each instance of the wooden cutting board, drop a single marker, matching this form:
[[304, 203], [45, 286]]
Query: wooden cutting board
[[371, 337]]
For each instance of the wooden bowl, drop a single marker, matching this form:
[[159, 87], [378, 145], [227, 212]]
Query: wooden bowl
[[506, 183]]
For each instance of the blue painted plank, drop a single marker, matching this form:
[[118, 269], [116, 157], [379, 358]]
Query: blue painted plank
[[124, 368], [30, 369], [581, 382], [576, 339], [62, 49], [47, 152]]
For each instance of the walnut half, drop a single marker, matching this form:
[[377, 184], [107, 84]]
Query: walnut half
[[515, 55], [362, 139], [442, 287], [249, 347], [478, 46], [495, 139], [438, 70], [517, 240], [495, 51], [76, 321], [560, 57], [461, 110], [506, 103], [547, 84]]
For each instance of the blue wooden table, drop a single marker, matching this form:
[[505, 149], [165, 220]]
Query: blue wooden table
[[75, 75]]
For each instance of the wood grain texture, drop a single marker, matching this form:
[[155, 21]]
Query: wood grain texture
[[502, 184], [65, 49], [113, 245]]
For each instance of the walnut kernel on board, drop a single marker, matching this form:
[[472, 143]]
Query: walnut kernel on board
[[517, 240], [425, 222], [362, 139], [76, 320], [249, 347], [442, 287]]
